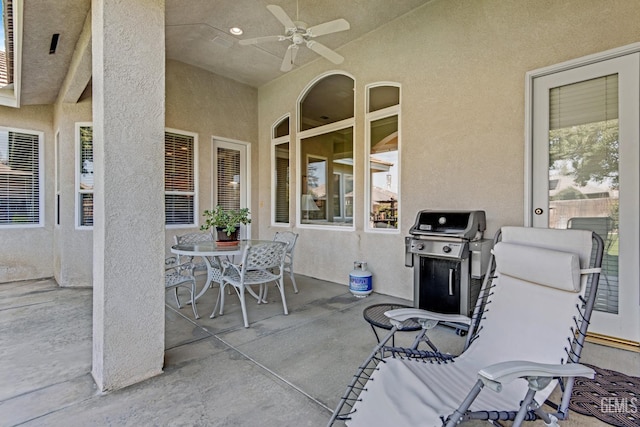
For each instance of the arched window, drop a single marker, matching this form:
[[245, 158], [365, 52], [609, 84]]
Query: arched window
[[325, 152]]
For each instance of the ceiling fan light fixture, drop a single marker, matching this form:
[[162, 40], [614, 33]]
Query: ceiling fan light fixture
[[297, 33], [236, 31]]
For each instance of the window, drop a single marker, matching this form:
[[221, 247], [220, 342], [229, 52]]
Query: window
[[281, 169], [21, 201], [84, 175], [327, 201], [325, 152], [57, 175], [383, 145], [179, 178]]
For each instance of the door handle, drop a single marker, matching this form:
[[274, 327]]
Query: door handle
[[451, 277]]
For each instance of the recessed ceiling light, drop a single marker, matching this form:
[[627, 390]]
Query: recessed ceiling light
[[236, 31]]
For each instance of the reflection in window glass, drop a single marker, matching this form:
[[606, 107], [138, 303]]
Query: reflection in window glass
[[382, 97], [383, 167], [330, 100], [85, 192], [327, 201], [281, 129]]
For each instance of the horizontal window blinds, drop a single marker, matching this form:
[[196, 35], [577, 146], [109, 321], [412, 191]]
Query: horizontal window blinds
[[282, 189], [19, 178], [228, 178], [179, 179], [590, 101]]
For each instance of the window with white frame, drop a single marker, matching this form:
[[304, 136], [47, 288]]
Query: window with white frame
[[281, 168], [382, 168], [21, 181], [84, 180], [57, 175], [179, 178], [325, 152]]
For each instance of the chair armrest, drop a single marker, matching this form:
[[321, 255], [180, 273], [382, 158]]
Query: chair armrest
[[428, 319], [494, 376]]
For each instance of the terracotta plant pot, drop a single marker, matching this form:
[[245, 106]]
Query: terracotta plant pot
[[226, 240]]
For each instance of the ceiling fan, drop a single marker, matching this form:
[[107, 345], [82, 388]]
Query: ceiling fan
[[298, 33]]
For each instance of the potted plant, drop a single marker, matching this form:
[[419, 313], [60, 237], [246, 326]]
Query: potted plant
[[226, 223]]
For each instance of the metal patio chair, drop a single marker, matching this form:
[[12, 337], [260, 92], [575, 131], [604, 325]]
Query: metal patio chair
[[178, 275], [261, 264], [290, 238], [193, 238], [526, 335], [211, 264]]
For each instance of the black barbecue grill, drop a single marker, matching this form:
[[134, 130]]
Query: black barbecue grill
[[449, 256]]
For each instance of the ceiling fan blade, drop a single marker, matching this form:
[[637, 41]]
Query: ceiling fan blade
[[321, 49], [257, 40], [281, 15], [328, 27], [289, 57]]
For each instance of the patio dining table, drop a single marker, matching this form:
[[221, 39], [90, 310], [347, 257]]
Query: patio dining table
[[210, 249]]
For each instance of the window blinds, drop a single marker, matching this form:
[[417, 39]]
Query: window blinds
[[228, 178], [590, 101], [179, 179], [19, 178]]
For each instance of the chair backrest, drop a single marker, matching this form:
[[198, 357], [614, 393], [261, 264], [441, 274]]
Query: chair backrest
[[263, 256], [288, 237], [601, 225], [192, 238], [534, 295]]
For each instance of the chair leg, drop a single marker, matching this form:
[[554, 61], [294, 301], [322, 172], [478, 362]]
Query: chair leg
[[175, 290], [218, 300], [293, 280], [243, 305], [280, 284], [193, 299]]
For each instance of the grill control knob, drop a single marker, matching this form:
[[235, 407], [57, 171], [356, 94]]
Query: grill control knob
[[446, 249], [420, 246]]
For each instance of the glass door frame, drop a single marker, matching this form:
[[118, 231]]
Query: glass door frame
[[624, 327], [244, 148]]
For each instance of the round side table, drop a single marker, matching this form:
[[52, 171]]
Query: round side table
[[374, 314]]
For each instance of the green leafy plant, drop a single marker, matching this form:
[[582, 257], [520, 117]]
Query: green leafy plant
[[225, 220]]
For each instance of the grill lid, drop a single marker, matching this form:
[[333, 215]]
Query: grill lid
[[468, 225]]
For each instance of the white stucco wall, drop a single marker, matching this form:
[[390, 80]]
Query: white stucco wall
[[462, 67]]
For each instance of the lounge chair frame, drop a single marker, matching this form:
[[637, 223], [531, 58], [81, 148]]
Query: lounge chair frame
[[529, 409]]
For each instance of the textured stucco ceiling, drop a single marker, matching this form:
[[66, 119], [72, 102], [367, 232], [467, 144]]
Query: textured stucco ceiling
[[197, 34]]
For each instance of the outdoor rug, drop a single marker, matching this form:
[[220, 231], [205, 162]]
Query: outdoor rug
[[611, 396]]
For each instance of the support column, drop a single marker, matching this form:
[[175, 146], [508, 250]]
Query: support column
[[128, 71]]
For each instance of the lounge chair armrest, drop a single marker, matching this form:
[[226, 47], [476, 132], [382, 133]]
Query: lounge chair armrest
[[428, 319], [539, 375]]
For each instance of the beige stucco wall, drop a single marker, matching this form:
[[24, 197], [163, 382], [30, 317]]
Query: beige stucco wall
[[27, 252], [210, 105], [462, 67], [72, 247], [196, 101]]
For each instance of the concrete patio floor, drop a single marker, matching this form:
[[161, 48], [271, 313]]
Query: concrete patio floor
[[282, 371]]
